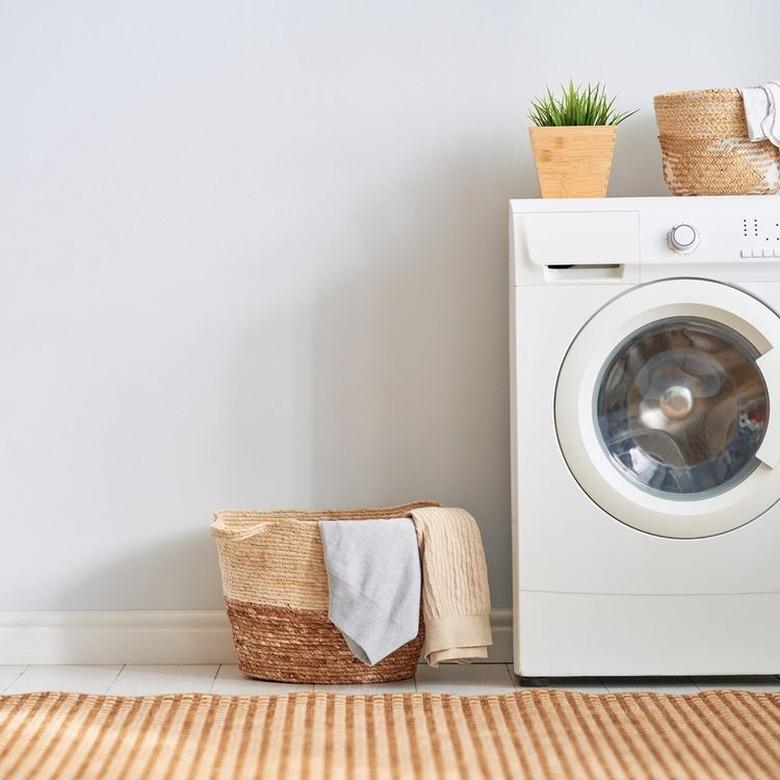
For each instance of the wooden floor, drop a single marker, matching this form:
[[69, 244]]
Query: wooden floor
[[470, 680]]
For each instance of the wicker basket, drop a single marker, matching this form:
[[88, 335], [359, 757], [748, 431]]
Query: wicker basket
[[706, 149], [276, 591]]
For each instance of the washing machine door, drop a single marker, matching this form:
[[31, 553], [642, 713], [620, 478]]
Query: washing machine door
[[667, 408]]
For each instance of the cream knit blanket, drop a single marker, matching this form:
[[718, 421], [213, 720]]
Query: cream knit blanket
[[455, 594]]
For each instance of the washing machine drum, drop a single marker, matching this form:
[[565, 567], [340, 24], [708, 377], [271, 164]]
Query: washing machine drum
[[663, 408]]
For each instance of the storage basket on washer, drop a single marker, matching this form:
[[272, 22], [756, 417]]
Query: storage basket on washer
[[706, 149], [276, 591]]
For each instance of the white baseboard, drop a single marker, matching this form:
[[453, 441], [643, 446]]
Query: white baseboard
[[147, 637], [115, 637]]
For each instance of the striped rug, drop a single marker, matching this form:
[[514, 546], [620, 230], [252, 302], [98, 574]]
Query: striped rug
[[534, 734]]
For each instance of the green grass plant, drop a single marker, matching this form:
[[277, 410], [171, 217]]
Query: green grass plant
[[577, 106]]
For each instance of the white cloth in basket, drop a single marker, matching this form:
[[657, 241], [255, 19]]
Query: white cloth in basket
[[374, 582], [762, 112]]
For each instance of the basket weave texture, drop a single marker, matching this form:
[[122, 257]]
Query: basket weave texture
[[276, 592], [706, 149]]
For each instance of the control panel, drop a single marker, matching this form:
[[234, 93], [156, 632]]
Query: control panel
[[760, 238], [631, 240], [708, 234], [725, 238]]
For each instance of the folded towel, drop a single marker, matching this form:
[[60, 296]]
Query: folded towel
[[456, 594], [762, 112], [373, 571]]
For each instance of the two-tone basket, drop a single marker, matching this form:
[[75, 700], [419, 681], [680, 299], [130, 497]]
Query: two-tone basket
[[706, 148], [276, 592]]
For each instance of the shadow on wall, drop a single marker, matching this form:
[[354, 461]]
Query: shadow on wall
[[167, 574], [637, 168], [409, 380], [395, 386]]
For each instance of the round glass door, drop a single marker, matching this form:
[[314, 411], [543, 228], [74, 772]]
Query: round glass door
[[666, 408], [681, 408]]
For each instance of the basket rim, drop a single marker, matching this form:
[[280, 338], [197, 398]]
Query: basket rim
[[237, 525], [699, 93]]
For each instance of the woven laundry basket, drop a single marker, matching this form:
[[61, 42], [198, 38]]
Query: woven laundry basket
[[706, 149], [276, 592]]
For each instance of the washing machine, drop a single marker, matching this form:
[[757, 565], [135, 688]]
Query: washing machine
[[645, 373]]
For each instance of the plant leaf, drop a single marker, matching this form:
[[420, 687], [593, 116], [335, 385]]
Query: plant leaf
[[576, 105]]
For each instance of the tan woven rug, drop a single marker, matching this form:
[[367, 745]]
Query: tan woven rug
[[544, 734]]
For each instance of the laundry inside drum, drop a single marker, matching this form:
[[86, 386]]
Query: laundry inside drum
[[682, 407]]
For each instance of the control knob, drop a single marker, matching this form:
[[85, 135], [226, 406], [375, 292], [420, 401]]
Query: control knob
[[683, 238]]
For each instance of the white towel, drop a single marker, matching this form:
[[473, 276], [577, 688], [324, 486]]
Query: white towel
[[374, 578], [456, 593], [762, 112]]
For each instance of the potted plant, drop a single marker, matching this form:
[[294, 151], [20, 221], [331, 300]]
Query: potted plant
[[573, 140]]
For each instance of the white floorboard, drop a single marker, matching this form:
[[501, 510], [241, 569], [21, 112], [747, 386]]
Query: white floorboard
[[230, 680], [8, 675], [574, 684], [758, 683], [469, 680], [678, 685], [369, 689], [465, 679], [75, 679], [149, 679]]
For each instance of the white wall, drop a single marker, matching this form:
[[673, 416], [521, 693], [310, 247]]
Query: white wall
[[253, 254]]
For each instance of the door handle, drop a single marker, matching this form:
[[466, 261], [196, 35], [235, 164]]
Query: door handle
[[769, 365]]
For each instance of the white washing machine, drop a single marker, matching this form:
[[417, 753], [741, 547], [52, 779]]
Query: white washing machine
[[646, 435]]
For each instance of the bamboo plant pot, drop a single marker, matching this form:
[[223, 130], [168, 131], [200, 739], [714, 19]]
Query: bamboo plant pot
[[573, 162]]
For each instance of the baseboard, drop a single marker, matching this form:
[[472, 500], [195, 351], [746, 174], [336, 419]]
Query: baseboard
[[147, 637], [115, 637]]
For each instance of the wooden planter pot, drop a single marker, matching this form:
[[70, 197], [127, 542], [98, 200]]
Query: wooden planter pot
[[573, 162]]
